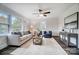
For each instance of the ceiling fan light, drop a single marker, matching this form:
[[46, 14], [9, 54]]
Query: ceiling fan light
[[41, 15]]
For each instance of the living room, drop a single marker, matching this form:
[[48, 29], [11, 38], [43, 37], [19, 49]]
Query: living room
[[24, 25]]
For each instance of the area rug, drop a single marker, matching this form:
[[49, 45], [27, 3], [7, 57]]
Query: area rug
[[49, 47]]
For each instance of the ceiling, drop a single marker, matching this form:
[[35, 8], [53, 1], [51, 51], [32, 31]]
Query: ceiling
[[27, 9]]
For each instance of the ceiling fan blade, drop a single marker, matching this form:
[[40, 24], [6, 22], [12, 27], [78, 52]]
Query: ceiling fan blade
[[40, 10], [46, 12], [44, 15]]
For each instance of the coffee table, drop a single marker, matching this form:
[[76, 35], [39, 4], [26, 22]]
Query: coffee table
[[37, 40]]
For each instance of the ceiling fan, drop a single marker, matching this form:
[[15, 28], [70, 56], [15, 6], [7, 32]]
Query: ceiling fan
[[42, 12]]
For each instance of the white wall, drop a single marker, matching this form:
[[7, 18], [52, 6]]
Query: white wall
[[3, 42], [56, 24], [25, 21], [53, 24], [71, 10], [50, 24], [74, 8], [26, 25]]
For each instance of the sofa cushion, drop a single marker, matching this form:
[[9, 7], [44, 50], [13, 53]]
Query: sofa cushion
[[47, 34], [25, 37]]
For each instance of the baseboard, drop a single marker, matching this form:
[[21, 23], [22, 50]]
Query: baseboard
[[55, 36], [13, 46]]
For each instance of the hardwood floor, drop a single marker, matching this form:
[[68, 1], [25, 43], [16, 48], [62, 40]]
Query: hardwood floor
[[9, 49], [49, 47], [69, 50], [27, 44]]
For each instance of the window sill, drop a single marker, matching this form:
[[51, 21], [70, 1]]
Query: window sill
[[4, 34]]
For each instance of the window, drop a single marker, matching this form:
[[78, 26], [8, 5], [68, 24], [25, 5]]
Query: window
[[4, 24], [43, 25], [16, 24]]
